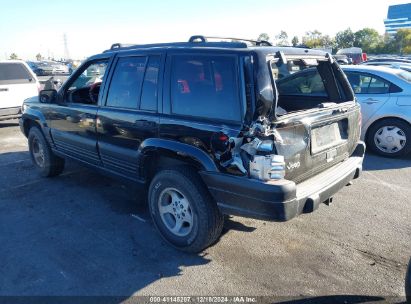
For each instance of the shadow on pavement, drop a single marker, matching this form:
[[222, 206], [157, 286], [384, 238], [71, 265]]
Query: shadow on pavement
[[230, 224], [374, 162], [75, 235]]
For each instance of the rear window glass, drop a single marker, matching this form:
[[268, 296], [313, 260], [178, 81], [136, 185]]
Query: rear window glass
[[297, 78], [280, 70], [10, 72], [307, 82], [205, 86]]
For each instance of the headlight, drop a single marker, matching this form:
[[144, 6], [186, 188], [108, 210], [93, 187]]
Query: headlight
[[23, 108]]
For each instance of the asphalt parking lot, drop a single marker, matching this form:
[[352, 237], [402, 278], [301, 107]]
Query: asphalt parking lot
[[85, 234]]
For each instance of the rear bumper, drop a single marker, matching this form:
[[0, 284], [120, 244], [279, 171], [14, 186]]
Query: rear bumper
[[10, 113], [281, 200]]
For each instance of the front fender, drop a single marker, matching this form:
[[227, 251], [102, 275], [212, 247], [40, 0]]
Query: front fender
[[32, 115]]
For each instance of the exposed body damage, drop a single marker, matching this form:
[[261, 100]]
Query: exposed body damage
[[253, 154], [278, 142]]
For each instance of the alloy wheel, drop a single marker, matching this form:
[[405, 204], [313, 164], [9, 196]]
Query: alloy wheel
[[175, 212]]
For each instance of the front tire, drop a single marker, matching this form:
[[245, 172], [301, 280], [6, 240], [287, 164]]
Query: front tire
[[43, 158], [183, 210], [390, 137]]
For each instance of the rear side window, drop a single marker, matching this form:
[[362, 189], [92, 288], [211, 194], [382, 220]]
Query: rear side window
[[11, 73], [205, 86], [125, 87], [367, 84]]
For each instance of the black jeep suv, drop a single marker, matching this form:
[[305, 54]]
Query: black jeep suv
[[211, 128]]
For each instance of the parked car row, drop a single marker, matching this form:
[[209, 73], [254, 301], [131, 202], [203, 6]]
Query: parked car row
[[49, 68]]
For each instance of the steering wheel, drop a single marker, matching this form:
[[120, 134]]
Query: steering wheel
[[93, 92]]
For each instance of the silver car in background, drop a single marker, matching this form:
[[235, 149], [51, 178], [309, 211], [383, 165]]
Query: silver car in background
[[385, 98], [390, 64]]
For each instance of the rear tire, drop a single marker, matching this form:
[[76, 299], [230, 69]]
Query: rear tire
[[183, 210], [47, 163], [390, 137]]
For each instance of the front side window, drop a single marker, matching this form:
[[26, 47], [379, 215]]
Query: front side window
[[86, 87], [125, 87], [94, 73], [205, 86]]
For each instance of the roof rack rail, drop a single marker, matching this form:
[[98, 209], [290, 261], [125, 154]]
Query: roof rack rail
[[204, 39], [194, 41], [119, 45]]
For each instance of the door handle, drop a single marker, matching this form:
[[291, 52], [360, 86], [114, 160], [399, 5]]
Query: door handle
[[4, 89], [371, 101]]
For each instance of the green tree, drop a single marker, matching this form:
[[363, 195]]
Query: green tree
[[315, 39], [14, 56], [294, 41], [312, 39], [368, 39], [39, 57], [344, 39], [327, 41], [282, 39], [403, 41], [263, 36], [387, 45]]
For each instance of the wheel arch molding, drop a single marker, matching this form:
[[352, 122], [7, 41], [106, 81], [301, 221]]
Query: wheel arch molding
[[181, 152]]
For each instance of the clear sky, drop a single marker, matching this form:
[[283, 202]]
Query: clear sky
[[29, 27]]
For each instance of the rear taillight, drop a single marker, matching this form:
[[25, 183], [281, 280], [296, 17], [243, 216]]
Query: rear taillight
[[38, 86]]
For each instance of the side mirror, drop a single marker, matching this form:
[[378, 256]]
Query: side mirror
[[48, 96]]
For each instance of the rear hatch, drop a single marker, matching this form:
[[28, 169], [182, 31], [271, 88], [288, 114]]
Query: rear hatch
[[316, 120], [16, 84]]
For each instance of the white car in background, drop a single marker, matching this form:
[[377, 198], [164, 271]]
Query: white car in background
[[17, 83], [385, 97]]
